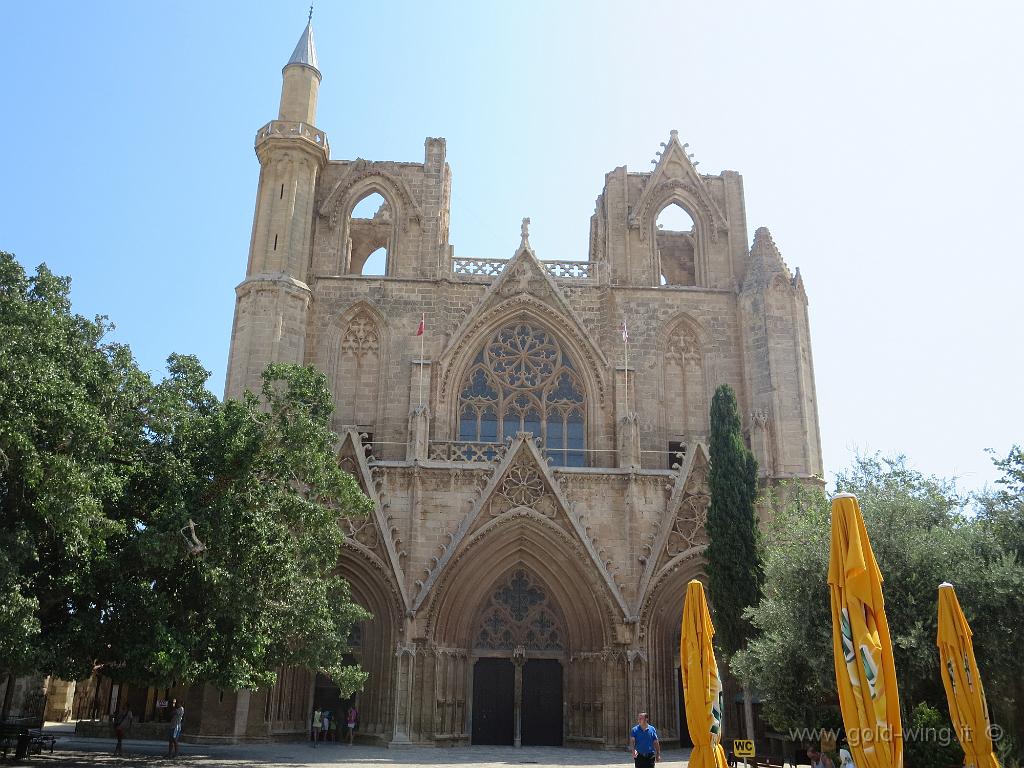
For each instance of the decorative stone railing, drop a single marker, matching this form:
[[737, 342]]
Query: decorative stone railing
[[288, 129], [571, 270], [453, 450], [581, 271], [479, 267]]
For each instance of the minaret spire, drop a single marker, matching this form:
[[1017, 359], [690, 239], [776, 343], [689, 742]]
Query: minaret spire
[[305, 49]]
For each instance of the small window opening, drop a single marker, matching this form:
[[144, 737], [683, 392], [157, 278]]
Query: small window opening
[[676, 241], [369, 241], [676, 453], [282, 193], [366, 441], [275, 242]]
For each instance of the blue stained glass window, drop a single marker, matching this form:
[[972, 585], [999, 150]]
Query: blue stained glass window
[[489, 426], [468, 424], [575, 440]]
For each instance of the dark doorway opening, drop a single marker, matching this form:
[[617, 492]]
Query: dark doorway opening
[[684, 732], [493, 698], [542, 716]]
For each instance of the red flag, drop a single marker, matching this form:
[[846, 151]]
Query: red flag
[[423, 324]]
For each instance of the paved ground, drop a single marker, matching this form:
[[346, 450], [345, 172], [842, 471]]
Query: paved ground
[[75, 752]]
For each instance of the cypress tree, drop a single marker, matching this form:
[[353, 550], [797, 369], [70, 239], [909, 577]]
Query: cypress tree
[[735, 574]]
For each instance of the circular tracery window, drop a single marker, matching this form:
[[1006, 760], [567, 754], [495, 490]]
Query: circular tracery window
[[522, 380]]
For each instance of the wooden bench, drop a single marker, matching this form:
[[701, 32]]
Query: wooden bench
[[40, 740]]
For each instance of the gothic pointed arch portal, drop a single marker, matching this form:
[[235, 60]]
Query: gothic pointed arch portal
[[519, 643]]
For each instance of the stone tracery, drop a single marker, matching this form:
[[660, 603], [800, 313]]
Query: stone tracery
[[519, 614], [523, 381]]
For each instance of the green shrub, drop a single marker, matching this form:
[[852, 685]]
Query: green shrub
[[930, 741]]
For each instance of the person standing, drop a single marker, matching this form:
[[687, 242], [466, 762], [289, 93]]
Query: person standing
[[325, 725], [643, 740], [177, 716], [122, 725], [351, 719], [818, 758], [314, 731]]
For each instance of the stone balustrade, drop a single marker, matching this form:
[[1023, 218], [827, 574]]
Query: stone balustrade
[[289, 129], [578, 271], [456, 450]]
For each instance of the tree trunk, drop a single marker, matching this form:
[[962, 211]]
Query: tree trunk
[[731, 728], [748, 712], [8, 698]]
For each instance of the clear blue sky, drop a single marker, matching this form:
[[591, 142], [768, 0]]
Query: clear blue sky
[[880, 142]]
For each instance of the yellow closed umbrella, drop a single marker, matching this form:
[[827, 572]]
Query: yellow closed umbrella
[[967, 706], [702, 689], [865, 673]]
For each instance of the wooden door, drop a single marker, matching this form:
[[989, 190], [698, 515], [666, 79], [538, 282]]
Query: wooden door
[[493, 701], [542, 716]]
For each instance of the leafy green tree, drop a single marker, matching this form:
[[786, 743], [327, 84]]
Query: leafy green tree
[[923, 533], [930, 742], [735, 573], [69, 430], [100, 472], [1002, 516]]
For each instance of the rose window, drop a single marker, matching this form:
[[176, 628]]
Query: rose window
[[522, 380]]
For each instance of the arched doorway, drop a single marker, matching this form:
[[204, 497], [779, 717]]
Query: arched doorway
[[576, 603], [662, 622], [518, 678], [372, 644]]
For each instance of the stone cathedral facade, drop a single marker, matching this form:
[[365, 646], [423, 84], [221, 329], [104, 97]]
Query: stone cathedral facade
[[539, 494]]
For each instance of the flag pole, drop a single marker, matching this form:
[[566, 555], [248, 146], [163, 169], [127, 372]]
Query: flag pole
[[423, 325]]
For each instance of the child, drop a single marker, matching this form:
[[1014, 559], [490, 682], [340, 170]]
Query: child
[[351, 720]]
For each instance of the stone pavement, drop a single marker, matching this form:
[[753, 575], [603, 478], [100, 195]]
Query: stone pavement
[[78, 754], [75, 752]]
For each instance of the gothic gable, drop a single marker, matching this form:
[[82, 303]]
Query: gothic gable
[[676, 179], [524, 288], [522, 485], [681, 534], [370, 535]]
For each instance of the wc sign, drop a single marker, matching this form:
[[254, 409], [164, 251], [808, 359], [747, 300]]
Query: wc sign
[[743, 747]]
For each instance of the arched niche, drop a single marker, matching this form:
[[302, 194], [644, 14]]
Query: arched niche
[[687, 378], [354, 355]]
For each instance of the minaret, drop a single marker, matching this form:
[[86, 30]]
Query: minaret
[[273, 301]]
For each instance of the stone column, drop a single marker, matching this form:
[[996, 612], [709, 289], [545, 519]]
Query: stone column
[[519, 659]]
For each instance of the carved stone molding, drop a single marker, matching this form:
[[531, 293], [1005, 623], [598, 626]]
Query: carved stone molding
[[359, 172]]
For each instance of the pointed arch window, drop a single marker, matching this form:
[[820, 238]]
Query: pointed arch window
[[522, 380]]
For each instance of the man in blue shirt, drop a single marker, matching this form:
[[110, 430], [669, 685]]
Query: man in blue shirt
[[643, 740]]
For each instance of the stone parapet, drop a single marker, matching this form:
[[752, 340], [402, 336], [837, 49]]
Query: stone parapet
[[286, 129]]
